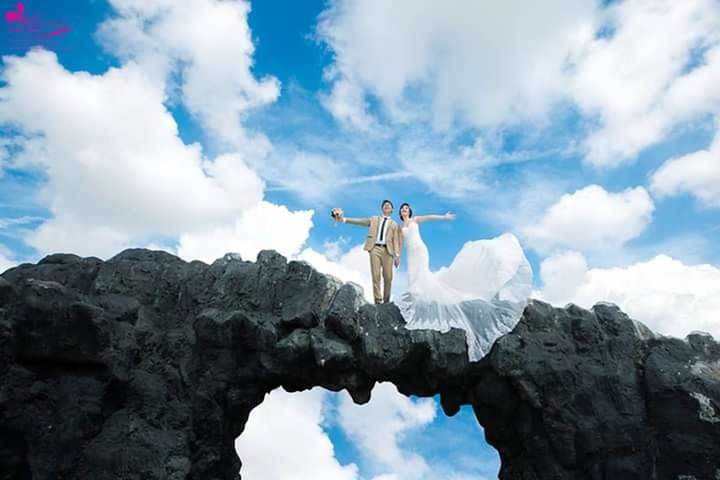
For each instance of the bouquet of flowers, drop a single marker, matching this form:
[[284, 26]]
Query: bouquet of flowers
[[336, 214]]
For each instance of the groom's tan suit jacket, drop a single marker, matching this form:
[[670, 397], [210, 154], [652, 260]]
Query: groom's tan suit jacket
[[381, 258], [393, 233]]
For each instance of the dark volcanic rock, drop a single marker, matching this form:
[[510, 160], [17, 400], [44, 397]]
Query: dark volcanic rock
[[147, 367]]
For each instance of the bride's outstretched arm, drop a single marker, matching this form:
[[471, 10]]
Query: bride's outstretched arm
[[425, 218]]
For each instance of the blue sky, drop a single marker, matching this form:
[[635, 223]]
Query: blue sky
[[588, 129]]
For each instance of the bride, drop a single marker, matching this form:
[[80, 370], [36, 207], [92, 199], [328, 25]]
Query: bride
[[483, 291]]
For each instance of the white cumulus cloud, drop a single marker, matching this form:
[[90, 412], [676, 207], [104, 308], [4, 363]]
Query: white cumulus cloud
[[481, 62], [658, 67], [697, 174], [207, 44], [378, 428], [115, 167], [115, 171], [668, 296], [284, 440], [591, 219], [263, 227], [636, 70]]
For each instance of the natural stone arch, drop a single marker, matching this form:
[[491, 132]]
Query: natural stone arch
[[146, 366], [317, 433]]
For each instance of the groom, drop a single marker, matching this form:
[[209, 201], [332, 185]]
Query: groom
[[383, 244]]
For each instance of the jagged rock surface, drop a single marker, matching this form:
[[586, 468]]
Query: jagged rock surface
[[147, 367]]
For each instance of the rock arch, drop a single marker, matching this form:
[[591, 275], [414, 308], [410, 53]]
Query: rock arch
[[147, 366]]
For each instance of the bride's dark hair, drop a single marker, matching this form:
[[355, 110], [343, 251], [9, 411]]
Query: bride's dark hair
[[400, 210]]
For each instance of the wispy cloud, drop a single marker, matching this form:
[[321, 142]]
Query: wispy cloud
[[9, 222]]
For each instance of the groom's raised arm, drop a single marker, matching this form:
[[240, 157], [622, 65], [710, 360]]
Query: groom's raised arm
[[357, 221], [339, 216]]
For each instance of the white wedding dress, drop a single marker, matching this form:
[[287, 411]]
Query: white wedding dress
[[483, 291]]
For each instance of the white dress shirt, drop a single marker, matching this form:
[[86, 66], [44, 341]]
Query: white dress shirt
[[382, 232]]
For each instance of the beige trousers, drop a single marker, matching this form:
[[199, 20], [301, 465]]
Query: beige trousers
[[381, 264]]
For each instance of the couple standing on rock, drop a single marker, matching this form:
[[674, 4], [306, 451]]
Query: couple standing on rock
[[483, 291], [384, 242]]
